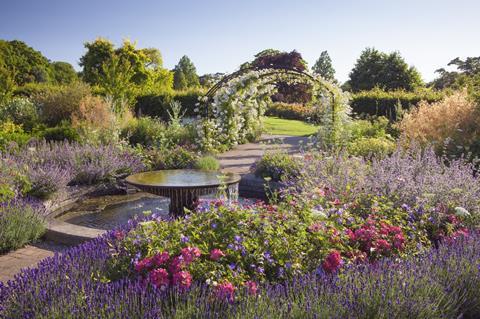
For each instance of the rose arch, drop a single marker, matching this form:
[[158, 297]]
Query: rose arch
[[231, 111]]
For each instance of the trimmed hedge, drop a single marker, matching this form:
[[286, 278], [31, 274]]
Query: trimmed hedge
[[158, 105], [377, 102]]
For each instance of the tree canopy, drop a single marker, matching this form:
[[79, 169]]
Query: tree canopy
[[388, 71], [323, 67], [63, 72], [185, 74]]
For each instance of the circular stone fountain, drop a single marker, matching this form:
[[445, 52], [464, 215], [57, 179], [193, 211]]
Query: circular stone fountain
[[185, 186]]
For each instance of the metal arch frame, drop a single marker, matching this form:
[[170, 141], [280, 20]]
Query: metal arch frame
[[211, 92]]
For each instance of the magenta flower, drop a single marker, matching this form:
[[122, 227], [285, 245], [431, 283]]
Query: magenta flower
[[143, 264], [189, 254], [382, 245], [159, 278], [177, 264], [225, 291], [216, 254], [160, 258], [182, 279]]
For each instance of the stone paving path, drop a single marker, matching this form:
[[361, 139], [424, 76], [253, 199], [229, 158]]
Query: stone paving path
[[238, 160]]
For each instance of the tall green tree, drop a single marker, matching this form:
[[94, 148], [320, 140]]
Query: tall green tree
[[185, 74], [98, 53], [63, 72], [323, 67], [386, 71]]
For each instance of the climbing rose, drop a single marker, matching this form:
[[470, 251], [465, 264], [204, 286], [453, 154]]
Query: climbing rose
[[252, 287], [182, 279], [190, 254], [143, 264], [216, 254], [332, 262], [225, 291], [160, 258], [159, 278]]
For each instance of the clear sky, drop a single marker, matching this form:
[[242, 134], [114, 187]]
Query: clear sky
[[219, 35]]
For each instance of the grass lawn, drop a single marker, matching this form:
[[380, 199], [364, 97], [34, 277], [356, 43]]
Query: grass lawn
[[277, 126]]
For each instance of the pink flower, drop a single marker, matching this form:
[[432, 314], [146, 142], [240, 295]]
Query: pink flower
[[119, 234], [383, 245], [159, 278], [336, 202], [216, 254], [252, 287], [452, 219], [182, 279], [332, 262], [350, 234], [143, 264], [315, 227], [160, 258], [190, 254], [225, 291]]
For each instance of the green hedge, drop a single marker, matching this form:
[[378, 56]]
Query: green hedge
[[380, 103], [158, 105]]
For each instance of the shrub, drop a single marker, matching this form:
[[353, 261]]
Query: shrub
[[60, 134], [380, 103], [47, 179], [60, 104], [20, 223], [11, 133], [207, 163], [158, 105], [19, 111], [144, 131], [371, 146], [276, 165], [94, 112], [14, 181], [176, 158], [452, 125], [290, 111]]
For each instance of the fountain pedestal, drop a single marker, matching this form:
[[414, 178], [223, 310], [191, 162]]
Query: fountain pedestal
[[185, 186]]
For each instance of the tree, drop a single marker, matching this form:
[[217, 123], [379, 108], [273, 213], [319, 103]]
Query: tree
[[185, 75], [63, 72], [24, 63], [323, 67], [98, 53], [467, 74], [386, 71]]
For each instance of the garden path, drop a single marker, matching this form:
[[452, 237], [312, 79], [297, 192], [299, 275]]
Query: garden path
[[238, 160]]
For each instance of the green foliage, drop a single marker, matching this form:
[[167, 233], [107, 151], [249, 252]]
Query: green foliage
[[386, 71], [185, 75], [371, 146], [60, 134], [323, 67], [19, 111], [99, 52], [12, 133], [30, 90], [277, 166], [378, 102], [13, 181], [63, 72], [207, 163], [7, 83]]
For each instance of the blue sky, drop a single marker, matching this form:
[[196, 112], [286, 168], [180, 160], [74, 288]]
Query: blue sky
[[220, 35]]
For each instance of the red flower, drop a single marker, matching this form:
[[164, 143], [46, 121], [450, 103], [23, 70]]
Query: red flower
[[332, 262], [160, 258], [252, 287], [159, 278], [225, 291], [143, 264], [216, 254], [182, 279], [119, 234]]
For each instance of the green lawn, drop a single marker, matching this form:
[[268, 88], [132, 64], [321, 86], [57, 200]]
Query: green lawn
[[277, 126]]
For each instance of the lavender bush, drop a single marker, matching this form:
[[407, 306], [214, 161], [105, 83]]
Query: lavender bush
[[413, 177], [21, 221], [443, 283]]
